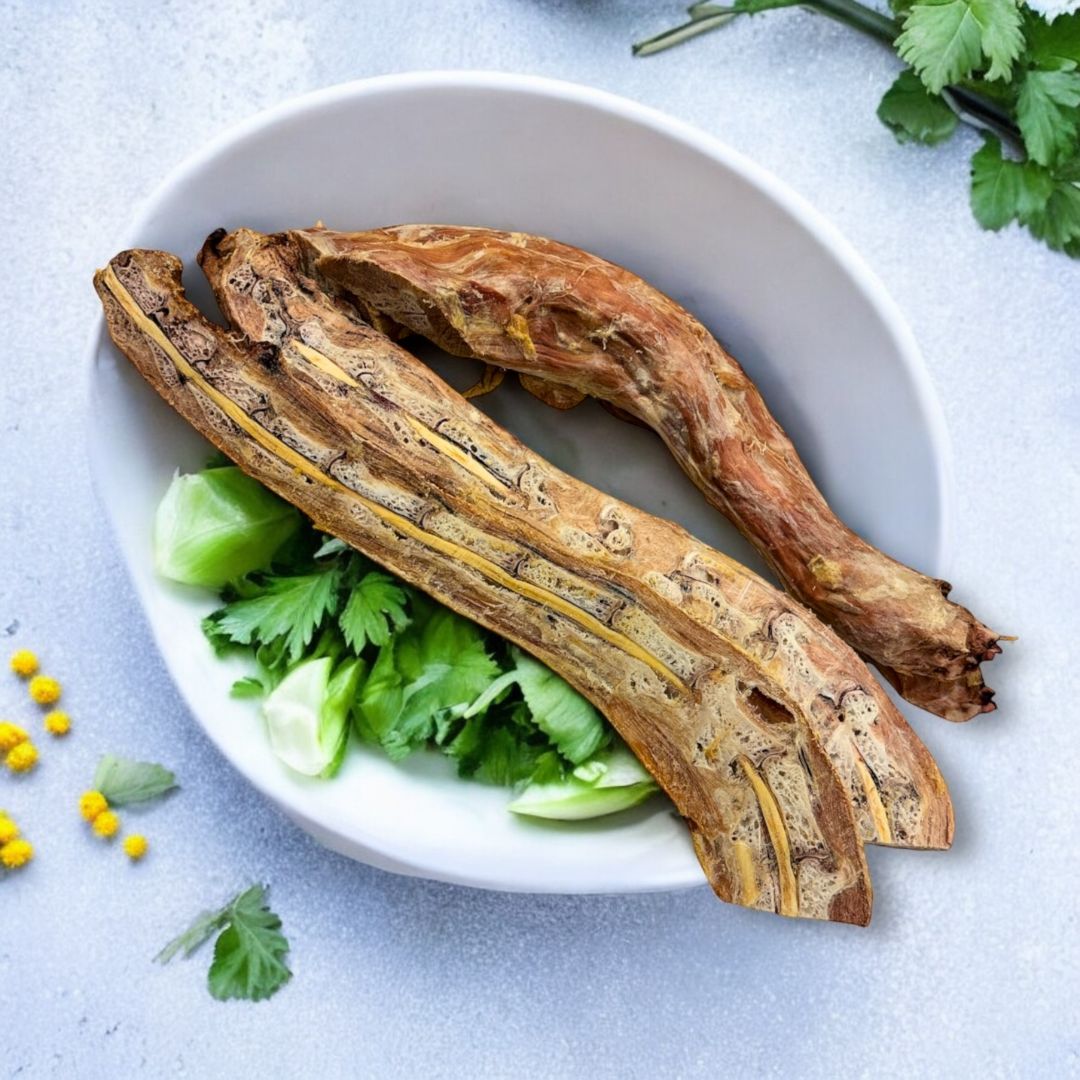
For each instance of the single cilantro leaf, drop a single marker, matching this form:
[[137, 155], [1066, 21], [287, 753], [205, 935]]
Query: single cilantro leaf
[[201, 930], [123, 782], [1004, 190], [1053, 45], [945, 40], [913, 114], [287, 607], [571, 723], [248, 954], [1058, 222], [1047, 113], [376, 603], [380, 700], [444, 665], [248, 687], [441, 665]]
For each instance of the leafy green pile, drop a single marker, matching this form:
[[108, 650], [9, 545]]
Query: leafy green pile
[[343, 651], [997, 65]]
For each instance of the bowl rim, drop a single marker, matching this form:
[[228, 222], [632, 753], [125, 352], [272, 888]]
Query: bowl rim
[[778, 191]]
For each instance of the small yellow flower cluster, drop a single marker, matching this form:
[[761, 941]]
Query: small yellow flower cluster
[[15, 852], [136, 846], [91, 804], [10, 736], [24, 663], [44, 689], [57, 722], [22, 758], [20, 754], [94, 808]]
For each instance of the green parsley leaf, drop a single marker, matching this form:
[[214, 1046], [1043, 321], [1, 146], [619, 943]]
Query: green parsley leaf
[[1053, 45], [946, 40], [249, 952], [1058, 223], [291, 608], [376, 603], [380, 698], [1003, 190], [1047, 113], [444, 665], [123, 782], [913, 114]]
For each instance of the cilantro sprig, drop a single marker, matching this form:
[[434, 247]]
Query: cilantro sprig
[[997, 65], [249, 954]]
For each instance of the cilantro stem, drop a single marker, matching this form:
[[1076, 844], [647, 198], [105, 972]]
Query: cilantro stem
[[678, 34], [971, 107]]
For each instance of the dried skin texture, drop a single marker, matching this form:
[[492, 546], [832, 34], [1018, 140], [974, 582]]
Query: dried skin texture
[[554, 312], [378, 450], [895, 788]]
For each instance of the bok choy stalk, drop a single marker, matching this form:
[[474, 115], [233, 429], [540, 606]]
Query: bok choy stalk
[[307, 714], [217, 525], [604, 784]]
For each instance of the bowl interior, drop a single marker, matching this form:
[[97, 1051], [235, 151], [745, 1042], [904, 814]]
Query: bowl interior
[[790, 300]]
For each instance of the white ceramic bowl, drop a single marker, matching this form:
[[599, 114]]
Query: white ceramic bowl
[[773, 280]]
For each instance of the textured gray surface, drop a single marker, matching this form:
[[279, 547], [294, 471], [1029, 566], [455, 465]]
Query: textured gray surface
[[971, 961]]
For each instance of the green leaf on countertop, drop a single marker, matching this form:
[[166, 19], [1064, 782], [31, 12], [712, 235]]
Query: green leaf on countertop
[[199, 932], [123, 782], [913, 114], [249, 952]]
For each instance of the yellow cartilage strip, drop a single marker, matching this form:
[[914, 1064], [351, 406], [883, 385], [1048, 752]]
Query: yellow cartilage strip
[[444, 445], [745, 858], [873, 801], [774, 824]]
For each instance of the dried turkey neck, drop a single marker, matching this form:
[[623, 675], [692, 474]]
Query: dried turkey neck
[[554, 312], [894, 786], [335, 430]]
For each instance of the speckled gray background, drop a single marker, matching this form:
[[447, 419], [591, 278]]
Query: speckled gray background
[[971, 963]]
